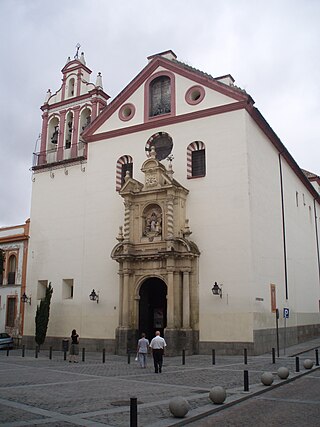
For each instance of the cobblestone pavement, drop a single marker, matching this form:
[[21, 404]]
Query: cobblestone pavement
[[43, 392]]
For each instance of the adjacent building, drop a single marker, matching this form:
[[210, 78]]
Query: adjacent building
[[13, 264], [173, 207]]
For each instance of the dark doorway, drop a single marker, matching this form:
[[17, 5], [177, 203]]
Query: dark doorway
[[152, 307]]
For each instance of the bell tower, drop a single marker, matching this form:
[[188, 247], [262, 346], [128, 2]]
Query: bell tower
[[67, 113], [156, 256]]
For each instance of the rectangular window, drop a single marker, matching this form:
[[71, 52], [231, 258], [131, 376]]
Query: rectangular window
[[41, 289], [11, 311], [67, 288], [11, 278], [198, 163]]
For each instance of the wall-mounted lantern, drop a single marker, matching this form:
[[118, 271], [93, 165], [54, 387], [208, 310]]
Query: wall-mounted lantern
[[25, 299], [94, 296], [216, 289]]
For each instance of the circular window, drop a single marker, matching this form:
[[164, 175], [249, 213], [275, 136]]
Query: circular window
[[126, 112], [163, 144], [195, 95]]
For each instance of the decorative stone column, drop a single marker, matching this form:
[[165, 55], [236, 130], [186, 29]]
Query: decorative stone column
[[170, 218], [186, 301], [75, 137], [125, 300], [94, 111], [44, 133], [62, 124], [126, 226], [170, 300]]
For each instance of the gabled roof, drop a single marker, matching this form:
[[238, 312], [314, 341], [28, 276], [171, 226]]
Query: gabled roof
[[243, 101], [175, 67]]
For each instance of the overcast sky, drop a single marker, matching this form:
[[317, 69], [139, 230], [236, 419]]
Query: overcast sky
[[271, 48]]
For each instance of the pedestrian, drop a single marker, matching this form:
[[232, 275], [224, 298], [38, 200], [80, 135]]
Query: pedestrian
[[158, 344], [142, 350], [74, 348]]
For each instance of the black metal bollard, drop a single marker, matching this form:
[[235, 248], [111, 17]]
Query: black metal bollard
[[183, 357], [317, 357], [297, 364], [36, 352], [83, 354], [213, 356], [133, 412], [245, 355], [50, 353], [273, 355], [8, 351], [23, 350], [104, 355], [129, 357], [64, 354], [246, 380]]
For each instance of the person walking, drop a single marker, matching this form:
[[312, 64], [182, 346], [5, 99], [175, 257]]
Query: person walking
[[158, 344], [142, 350], [74, 348]]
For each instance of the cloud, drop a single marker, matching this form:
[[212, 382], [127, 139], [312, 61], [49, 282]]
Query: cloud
[[271, 49]]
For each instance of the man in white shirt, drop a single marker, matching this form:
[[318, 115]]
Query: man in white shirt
[[157, 344]]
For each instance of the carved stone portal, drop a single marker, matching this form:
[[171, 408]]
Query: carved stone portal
[[158, 264]]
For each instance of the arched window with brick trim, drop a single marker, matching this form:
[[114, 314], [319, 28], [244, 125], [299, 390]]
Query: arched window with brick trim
[[196, 160], [124, 164]]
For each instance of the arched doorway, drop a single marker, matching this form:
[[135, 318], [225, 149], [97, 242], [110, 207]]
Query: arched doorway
[[152, 307]]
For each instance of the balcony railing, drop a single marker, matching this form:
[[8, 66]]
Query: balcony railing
[[58, 155]]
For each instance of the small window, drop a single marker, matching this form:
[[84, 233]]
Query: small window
[[11, 311], [196, 160], [67, 289], [160, 96], [163, 144], [124, 165], [126, 112], [195, 95]]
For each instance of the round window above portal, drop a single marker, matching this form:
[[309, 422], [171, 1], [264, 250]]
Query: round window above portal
[[163, 144]]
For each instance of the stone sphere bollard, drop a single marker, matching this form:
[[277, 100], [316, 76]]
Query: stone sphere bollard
[[179, 406], [267, 378], [283, 373], [217, 395], [308, 363]]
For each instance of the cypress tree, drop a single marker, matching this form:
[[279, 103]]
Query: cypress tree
[[42, 316]]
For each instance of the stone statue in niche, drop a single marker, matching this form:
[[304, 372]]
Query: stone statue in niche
[[153, 223]]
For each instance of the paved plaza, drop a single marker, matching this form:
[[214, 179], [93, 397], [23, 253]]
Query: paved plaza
[[53, 392]]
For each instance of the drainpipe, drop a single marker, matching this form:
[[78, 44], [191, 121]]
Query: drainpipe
[[283, 229], [317, 235]]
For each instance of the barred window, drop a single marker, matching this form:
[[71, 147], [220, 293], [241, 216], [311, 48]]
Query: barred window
[[196, 160], [124, 165], [198, 163]]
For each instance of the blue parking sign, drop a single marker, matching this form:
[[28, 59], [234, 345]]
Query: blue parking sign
[[286, 313]]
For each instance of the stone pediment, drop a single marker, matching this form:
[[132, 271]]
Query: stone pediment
[[131, 186]]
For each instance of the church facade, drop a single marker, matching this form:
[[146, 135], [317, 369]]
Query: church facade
[[175, 207]]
